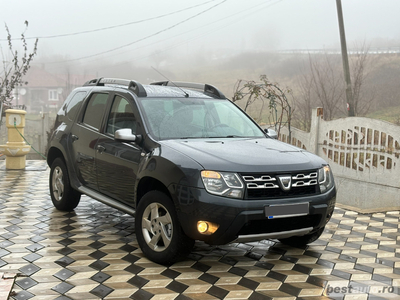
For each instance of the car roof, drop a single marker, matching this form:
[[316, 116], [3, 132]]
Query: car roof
[[162, 88], [171, 91]]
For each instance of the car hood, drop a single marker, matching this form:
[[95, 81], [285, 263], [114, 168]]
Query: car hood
[[245, 155]]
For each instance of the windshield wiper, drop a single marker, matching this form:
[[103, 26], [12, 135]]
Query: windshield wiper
[[224, 137], [212, 137]]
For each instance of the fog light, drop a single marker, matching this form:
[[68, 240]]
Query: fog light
[[202, 226], [207, 228]]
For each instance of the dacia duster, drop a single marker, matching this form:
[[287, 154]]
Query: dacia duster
[[188, 164]]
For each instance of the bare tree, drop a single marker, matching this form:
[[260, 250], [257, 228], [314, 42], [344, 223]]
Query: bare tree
[[304, 103], [15, 68], [321, 84], [280, 111], [359, 72], [327, 83]]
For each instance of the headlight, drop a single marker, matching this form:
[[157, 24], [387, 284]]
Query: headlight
[[325, 179], [223, 184]]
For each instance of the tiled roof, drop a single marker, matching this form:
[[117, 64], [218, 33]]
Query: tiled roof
[[39, 77]]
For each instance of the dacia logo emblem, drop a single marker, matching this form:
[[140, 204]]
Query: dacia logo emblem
[[286, 182]]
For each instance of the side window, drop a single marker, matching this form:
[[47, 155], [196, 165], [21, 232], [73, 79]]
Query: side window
[[95, 110], [121, 116], [74, 105]]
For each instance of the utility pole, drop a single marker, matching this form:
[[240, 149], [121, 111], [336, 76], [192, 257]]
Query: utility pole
[[1, 112], [345, 60]]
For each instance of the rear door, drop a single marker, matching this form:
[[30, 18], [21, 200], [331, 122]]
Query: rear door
[[117, 162], [85, 134]]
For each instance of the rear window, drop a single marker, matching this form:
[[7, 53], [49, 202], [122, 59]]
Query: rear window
[[95, 110], [75, 104]]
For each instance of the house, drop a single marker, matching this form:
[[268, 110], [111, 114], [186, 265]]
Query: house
[[46, 91]]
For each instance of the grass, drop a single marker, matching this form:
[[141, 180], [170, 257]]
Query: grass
[[390, 114]]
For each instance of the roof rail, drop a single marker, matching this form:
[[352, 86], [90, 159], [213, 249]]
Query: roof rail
[[206, 88], [134, 86]]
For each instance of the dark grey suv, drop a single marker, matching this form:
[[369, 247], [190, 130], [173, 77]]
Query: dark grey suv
[[188, 164]]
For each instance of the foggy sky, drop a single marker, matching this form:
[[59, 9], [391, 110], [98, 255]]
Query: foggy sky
[[232, 26]]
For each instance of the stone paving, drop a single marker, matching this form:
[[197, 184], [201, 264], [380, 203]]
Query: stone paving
[[92, 253]]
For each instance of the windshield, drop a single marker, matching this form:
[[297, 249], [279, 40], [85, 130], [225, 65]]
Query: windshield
[[169, 118]]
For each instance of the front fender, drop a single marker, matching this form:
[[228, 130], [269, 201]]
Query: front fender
[[169, 169]]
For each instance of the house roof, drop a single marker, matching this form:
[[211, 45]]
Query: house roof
[[38, 77]]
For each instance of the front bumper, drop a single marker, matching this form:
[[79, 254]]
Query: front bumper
[[245, 220]]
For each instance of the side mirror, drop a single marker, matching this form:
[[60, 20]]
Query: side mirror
[[126, 135], [271, 133]]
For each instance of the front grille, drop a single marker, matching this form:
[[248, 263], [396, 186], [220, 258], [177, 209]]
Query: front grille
[[277, 185]]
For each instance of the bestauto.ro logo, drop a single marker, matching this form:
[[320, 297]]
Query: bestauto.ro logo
[[359, 289]]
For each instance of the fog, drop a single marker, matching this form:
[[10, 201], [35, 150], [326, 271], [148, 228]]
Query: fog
[[219, 42], [149, 32]]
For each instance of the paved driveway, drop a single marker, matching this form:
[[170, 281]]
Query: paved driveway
[[91, 253]]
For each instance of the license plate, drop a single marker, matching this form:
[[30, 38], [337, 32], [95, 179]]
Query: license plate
[[286, 210]]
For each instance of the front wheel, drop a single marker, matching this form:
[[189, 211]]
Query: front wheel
[[63, 196], [299, 241], [158, 231]]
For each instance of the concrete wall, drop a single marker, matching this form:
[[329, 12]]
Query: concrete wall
[[364, 155]]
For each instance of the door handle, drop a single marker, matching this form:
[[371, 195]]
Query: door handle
[[100, 148], [75, 138]]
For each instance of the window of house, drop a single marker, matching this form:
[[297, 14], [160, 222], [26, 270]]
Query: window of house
[[53, 95]]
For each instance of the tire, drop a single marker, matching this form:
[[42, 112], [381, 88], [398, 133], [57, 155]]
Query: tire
[[158, 231], [63, 196], [299, 241]]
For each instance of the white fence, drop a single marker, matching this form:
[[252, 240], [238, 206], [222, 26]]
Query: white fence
[[364, 155]]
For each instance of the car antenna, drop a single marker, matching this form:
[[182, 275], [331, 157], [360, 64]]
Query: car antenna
[[186, 94]]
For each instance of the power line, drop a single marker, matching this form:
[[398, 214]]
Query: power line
[[146, 37], [114, 26], [253, 10], [243, 15], [222, 27]]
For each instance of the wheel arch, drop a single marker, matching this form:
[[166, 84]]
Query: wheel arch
[[147, 184], [52, 154], [152, 239]]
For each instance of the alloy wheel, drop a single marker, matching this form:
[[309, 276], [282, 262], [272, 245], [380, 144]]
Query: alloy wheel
[[58, 184], [157, 227]]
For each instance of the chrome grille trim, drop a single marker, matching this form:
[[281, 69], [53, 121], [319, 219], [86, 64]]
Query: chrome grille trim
[[268, 185], [262, 186], [262, 178], [302, 183], [302, 176]]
